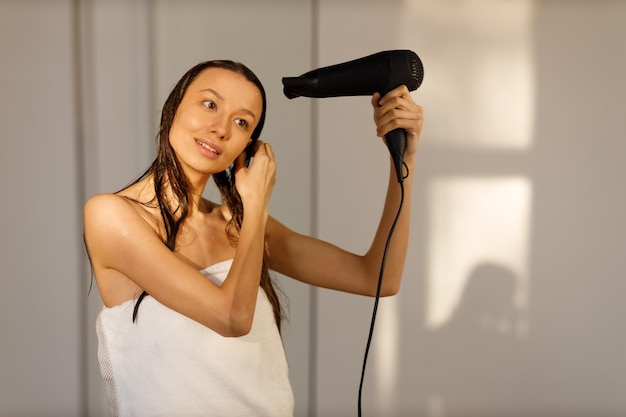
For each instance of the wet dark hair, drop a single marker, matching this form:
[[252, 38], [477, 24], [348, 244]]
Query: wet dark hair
[[166, 170]]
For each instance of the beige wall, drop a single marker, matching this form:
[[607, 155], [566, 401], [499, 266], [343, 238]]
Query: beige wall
[[42, 292], [511, 301]]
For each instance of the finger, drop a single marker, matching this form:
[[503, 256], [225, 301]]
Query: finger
[[408, 120], [414, 112], [395, 109], [402, 102], [400, 91], [376, 100], [391, 107], [269, 150]]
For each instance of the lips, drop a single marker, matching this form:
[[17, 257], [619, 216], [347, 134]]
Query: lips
[[208, 148]]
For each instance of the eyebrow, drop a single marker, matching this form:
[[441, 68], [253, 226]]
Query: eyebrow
[[218, 95]]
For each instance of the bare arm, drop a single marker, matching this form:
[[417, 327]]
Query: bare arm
[[322, 264]]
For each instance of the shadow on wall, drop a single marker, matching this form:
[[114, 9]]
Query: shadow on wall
[[474, 357]]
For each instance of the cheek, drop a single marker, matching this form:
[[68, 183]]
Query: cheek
[[187, 120], [182, 125], [235, 149]]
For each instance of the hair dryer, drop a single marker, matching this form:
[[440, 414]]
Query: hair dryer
[[380, 72]]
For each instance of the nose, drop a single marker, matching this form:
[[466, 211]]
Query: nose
[[220, 127]]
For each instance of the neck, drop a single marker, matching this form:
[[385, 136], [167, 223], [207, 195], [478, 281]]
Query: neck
[[197, 186], [196, 201]]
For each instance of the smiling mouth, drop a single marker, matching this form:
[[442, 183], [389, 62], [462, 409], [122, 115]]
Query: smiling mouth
[[208, 147]]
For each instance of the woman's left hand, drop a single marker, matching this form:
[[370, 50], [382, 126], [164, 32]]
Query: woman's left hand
[[398, 110]]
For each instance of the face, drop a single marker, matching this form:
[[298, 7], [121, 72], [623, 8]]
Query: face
[[215, 120]]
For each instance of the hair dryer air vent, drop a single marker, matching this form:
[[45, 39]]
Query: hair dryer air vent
[[417, 69]]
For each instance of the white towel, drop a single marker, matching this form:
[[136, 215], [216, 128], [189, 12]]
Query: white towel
[[166, 364]]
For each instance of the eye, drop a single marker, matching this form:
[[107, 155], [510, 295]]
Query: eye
[[209, 104], [242, 123]]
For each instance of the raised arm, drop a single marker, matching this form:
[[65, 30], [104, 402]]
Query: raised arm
[[325, 265], [124, 247]]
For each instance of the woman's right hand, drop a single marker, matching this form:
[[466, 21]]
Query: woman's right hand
[[256, 182]]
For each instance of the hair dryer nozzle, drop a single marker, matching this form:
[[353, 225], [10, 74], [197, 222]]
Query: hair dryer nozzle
[[295, 86]]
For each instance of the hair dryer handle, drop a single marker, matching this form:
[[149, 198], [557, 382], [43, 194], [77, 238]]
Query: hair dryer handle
[[396, 142]]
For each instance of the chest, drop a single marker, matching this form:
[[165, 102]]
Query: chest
[[204, 242]]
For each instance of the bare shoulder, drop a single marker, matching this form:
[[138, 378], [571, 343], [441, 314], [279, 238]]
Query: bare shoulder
[[101, 202], [108, 209], [109, 219]]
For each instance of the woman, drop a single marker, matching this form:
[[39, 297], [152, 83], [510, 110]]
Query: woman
[[191, 321]]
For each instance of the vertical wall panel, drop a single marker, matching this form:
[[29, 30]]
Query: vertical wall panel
[[118, 134], [40, 257]]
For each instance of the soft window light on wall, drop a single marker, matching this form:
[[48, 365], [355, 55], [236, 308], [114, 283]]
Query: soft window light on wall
[[480, 90], [474, 222]]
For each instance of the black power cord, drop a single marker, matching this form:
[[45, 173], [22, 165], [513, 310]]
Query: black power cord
[[378, 289]]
